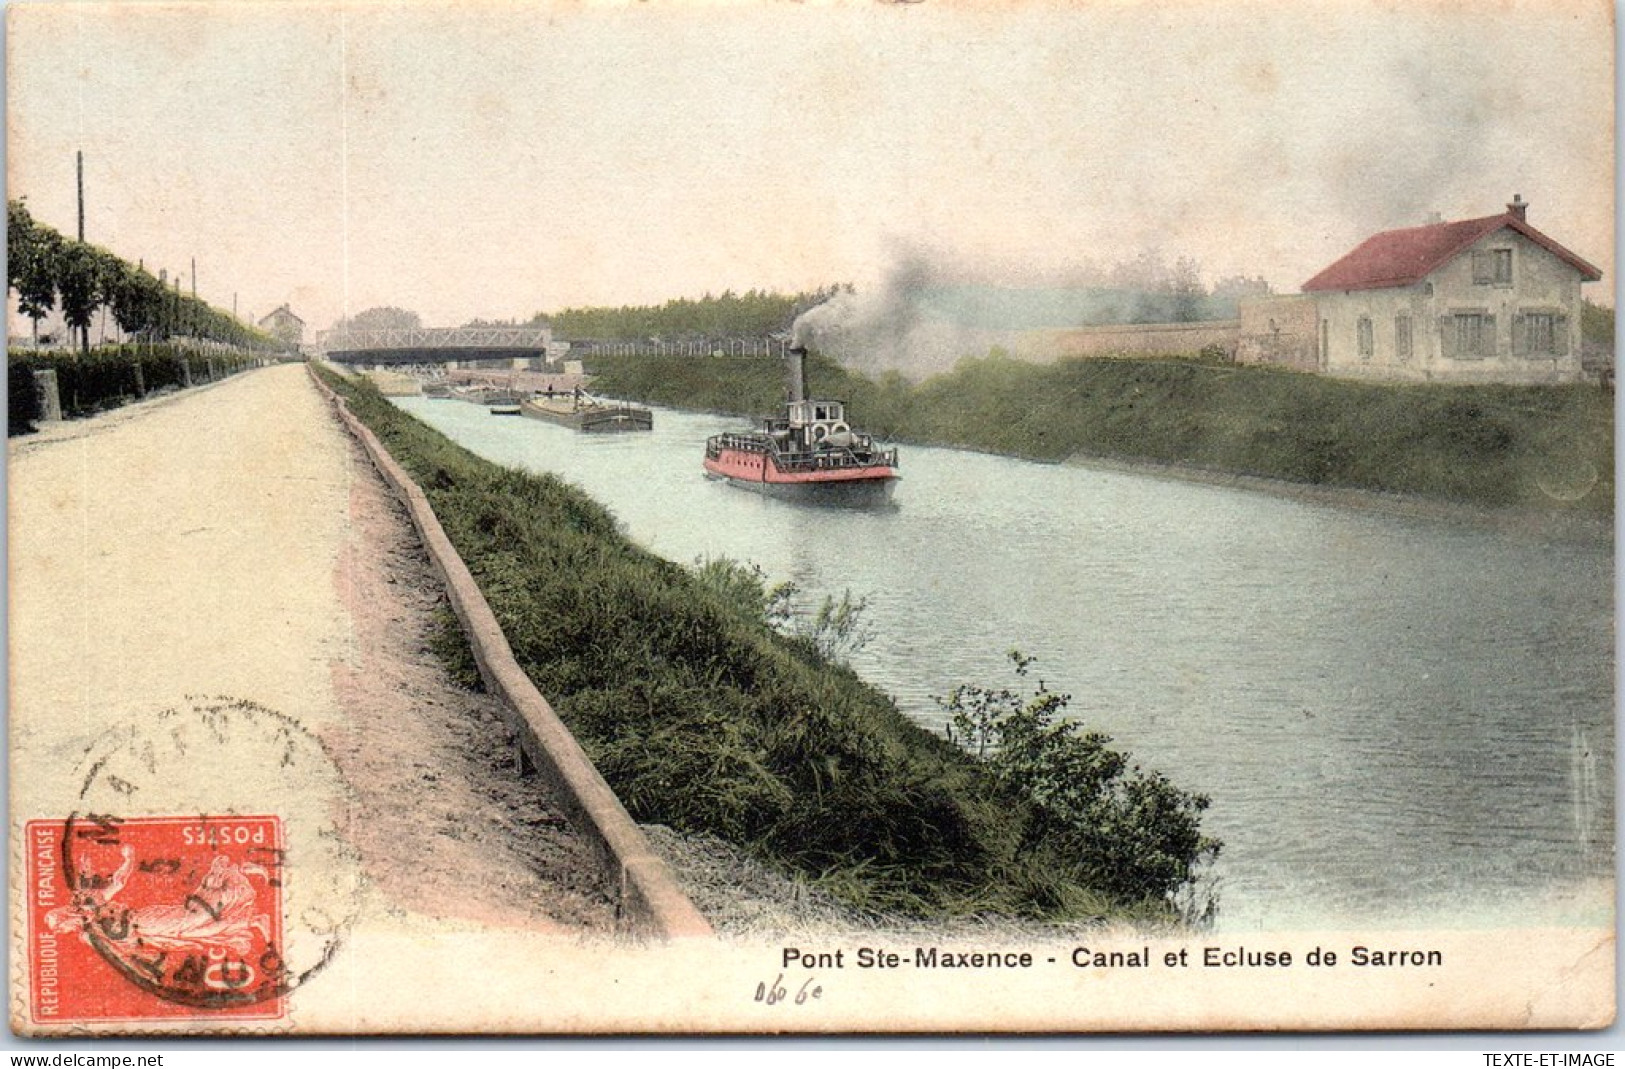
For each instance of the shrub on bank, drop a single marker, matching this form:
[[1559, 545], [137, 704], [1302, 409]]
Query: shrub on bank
[[113, 375], [1112, 824], [22, 399], [702, 717]]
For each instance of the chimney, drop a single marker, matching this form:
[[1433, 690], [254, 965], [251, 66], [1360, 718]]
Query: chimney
[[797, 373], [1434, 219], [1518, 207]]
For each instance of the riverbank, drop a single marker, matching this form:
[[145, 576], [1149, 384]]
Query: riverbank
[[1538, 450], [704, 718], [1527, 522]]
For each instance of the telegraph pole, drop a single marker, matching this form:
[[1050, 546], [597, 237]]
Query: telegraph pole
[[79, 173]]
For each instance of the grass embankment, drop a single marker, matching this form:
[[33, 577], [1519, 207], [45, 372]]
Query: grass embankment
[[1548, 447], [703, 718]]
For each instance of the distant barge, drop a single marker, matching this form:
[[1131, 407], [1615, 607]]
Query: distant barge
[[588, 414]]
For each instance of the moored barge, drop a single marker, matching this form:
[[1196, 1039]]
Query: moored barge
[[588, 414]]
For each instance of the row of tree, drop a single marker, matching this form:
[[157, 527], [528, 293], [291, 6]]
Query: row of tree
[[47, 270], [754, 314], [1145, 289], [384, 318]]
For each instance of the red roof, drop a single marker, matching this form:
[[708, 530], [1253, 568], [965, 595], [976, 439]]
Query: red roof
[[1401, 257]]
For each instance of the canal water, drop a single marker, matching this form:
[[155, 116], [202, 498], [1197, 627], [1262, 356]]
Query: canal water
[[1401, 722]]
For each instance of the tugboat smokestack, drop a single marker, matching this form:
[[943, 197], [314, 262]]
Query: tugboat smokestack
[[796, 357]]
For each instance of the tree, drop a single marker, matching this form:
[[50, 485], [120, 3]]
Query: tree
[[1236, 287], [80, 280], [1122, 830], [32, 254], [1596, 326], [1186, 292], [20, 235], [383, 318], [137, 299], [757, 314]]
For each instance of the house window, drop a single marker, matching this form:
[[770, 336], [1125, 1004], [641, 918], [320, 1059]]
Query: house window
[[1402, 337], [1492, 267], [1542, 336], [1473, 334], [1363, 331]]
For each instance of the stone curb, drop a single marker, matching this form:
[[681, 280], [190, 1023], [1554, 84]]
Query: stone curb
[[650, 901]]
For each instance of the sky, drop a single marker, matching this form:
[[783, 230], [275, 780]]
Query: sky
[[491, 160]]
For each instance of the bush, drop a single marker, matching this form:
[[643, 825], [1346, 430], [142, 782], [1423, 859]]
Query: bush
[[116, 374], [1109, 824], [23, 408], [833, 632]]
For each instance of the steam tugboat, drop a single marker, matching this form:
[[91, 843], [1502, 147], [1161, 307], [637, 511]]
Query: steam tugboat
[[809, 453]]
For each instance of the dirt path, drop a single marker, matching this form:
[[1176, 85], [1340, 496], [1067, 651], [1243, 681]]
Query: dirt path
[[447, 823], [234, 541]]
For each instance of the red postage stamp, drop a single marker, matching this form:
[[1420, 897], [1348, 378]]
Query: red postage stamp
[[155, 918]]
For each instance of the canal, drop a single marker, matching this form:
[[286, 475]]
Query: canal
[[1401, 722]]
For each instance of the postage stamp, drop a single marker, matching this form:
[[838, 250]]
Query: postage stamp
[[1108, 525], [152, 918]]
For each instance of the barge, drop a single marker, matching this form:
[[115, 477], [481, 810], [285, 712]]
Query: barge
[[589, 415]]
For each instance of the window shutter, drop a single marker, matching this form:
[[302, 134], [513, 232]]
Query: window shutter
[[1487, 340], [1483, 267], [1520, 335], [1560, 335], [1447, 335]]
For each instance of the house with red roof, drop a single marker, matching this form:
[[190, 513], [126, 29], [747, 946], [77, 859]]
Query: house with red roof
[[1480, 300]]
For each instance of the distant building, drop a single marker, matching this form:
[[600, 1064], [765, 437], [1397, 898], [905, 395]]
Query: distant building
[[1481, 300], [284, 325]]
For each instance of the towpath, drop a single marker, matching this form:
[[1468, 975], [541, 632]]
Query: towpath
[[233, 541]]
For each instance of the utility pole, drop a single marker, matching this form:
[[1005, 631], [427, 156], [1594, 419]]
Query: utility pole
[[79, 172]]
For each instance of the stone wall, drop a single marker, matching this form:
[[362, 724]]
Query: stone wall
[[1279, 330], [1135, 339]]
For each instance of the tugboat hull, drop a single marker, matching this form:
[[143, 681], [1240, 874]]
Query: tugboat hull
[[856, 486], [866, 493]]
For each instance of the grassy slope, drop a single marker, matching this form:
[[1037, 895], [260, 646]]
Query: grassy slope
[[701, 717], [1531, 446]]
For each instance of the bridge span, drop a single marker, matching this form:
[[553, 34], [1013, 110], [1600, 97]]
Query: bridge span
[[438, 345]]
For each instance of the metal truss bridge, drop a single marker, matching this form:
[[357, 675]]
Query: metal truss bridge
[[429, 345]]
